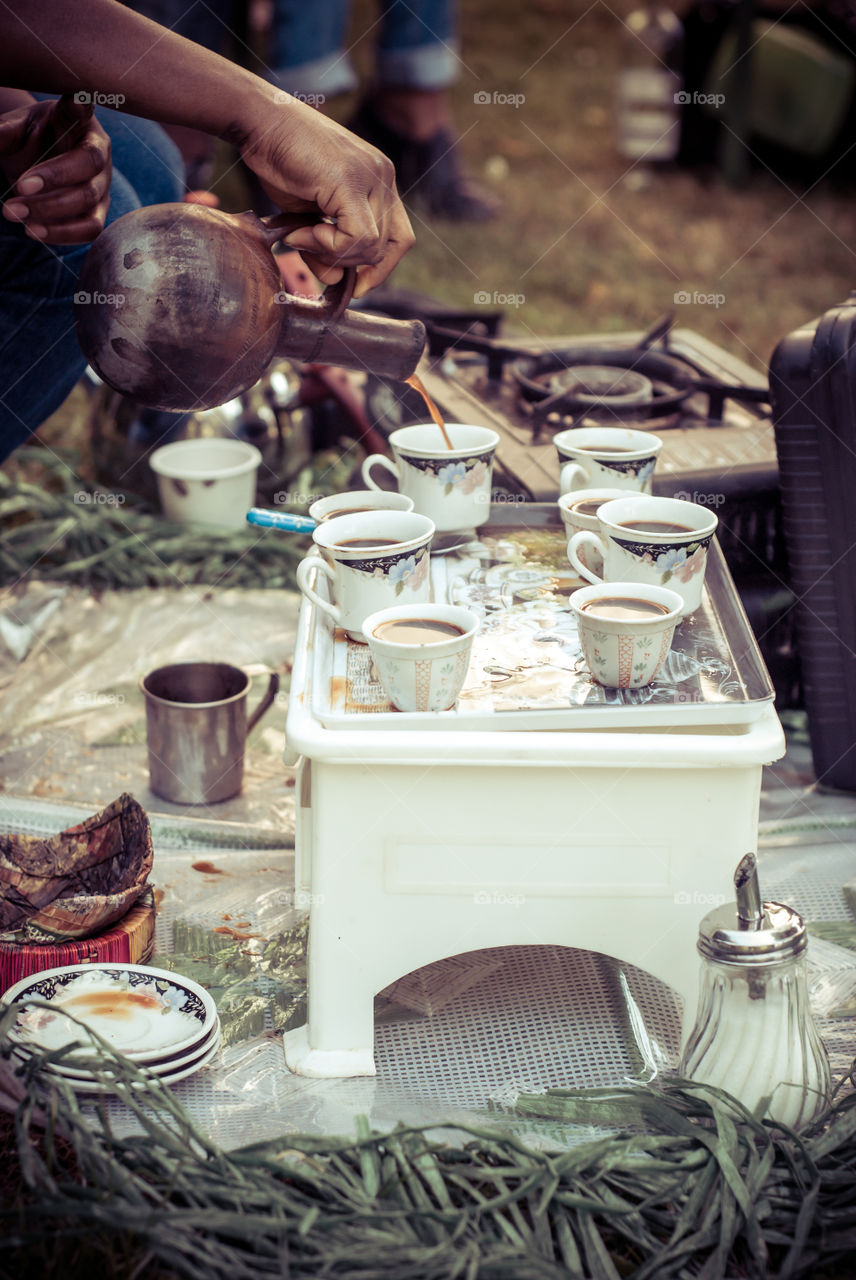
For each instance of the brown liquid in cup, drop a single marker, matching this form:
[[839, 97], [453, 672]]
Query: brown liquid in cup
[[364, 543], [624, 608], [655, 526], [417, 631], [605, 448], [588, 507], [345, 511]]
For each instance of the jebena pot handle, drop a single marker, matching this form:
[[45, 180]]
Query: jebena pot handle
[[335, 297]]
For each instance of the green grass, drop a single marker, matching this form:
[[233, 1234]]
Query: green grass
[[588, 247]]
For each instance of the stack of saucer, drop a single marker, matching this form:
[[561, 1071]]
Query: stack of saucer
[[158, 1020]]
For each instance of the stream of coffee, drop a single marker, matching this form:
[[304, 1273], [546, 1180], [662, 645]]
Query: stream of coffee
[[416, 383]]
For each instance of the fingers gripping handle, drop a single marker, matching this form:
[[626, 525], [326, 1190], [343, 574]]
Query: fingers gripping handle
[[336, 297]]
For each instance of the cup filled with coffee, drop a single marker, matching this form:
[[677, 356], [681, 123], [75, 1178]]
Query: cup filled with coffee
[[421, 653], [578, 510], [347, 504], [450, 486], [625, 630], [606, 457], [372, 560], [660, 541]]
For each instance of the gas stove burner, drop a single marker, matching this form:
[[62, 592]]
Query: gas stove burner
[[561, 381], [595, 385]]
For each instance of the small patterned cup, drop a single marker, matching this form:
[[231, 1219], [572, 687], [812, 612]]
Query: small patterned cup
[[426, 676], [625, 652]]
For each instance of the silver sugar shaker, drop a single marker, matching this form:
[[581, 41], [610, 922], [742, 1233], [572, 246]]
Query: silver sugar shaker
[[754, 1034]]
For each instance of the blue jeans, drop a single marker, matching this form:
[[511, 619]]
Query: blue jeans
[[417, 46], [40, 360]]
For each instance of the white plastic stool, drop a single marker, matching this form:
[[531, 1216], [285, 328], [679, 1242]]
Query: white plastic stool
[[413, 846]]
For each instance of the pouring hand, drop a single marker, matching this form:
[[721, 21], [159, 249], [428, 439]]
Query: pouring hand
[[305, 160], [56, 158]]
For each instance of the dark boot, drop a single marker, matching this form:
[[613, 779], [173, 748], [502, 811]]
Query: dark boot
[[428, 174]]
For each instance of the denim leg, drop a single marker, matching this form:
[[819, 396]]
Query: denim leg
[[418, 45], [40, 359], [146, 156], [307, 51]]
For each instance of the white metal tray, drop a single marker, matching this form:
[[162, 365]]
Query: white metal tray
[[527, 670]]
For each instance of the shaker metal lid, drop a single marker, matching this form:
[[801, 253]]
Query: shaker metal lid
[[750, 931], [778, 935]]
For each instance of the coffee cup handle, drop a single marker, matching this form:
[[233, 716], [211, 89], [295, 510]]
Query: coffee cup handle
[[315, 565], [584, 538], [377, 459], [569, 474], [267, 699]]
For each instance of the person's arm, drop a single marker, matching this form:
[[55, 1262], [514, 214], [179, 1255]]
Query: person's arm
[[101, 48]]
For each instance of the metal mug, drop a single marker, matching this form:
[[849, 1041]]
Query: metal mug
[[197, 726]]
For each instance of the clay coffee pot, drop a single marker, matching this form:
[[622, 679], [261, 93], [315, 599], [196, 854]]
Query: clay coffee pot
[[182, 307]]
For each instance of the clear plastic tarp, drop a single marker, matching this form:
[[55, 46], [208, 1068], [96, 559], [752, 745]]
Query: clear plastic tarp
[[454, 1042]]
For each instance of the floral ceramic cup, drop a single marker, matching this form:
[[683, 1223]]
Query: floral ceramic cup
[[450, 486], [372, 559], [578, 509], [421, 653], [659, 541], [606, 457], [625, 631]]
